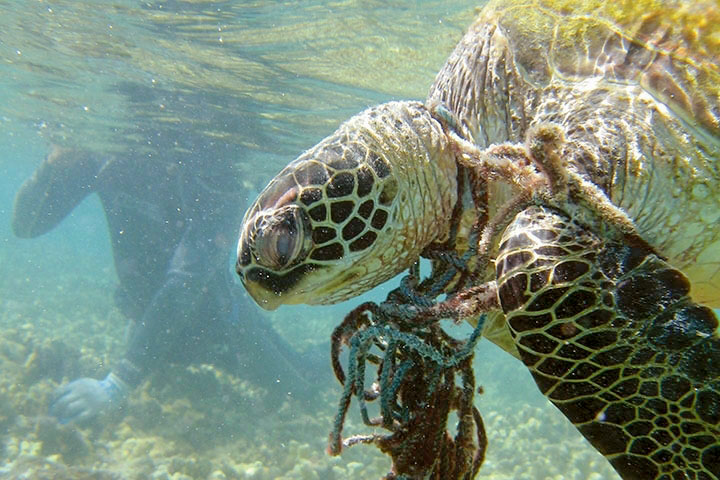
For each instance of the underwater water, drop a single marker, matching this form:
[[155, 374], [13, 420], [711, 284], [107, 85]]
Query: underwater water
[[197, 104]]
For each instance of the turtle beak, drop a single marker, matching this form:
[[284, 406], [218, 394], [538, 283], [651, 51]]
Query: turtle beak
[[267, 299], [263, 297]]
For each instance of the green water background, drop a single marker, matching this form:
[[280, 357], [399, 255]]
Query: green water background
[[277, 76]]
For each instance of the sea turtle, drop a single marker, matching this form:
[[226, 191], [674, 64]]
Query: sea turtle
[[579, 141]]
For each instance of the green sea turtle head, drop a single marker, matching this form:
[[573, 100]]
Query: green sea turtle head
[[351, 212]]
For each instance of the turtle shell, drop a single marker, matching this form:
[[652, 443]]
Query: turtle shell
[[670, 48], [635, 86]]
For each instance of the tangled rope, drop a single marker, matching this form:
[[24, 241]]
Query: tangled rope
[[422, 375]]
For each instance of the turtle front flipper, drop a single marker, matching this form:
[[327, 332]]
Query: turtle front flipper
[[613, 339]]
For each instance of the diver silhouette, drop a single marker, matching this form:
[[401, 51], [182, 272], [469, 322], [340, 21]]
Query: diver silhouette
[[172, 219]]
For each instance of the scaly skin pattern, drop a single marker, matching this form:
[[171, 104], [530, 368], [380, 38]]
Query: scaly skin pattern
[[371, 197], [613, 339], [636, 88]]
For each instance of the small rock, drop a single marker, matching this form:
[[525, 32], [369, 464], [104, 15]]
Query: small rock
[[217, 475]]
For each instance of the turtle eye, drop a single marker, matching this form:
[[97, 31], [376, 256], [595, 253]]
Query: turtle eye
[[279, 238], [284, 244]]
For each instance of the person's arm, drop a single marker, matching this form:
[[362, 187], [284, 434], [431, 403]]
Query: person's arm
[[153, 337], [169, 315]]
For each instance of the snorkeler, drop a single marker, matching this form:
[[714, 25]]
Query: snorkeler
[[172, 220]]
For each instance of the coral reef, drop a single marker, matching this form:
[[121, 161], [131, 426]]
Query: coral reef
[[205, 424]]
